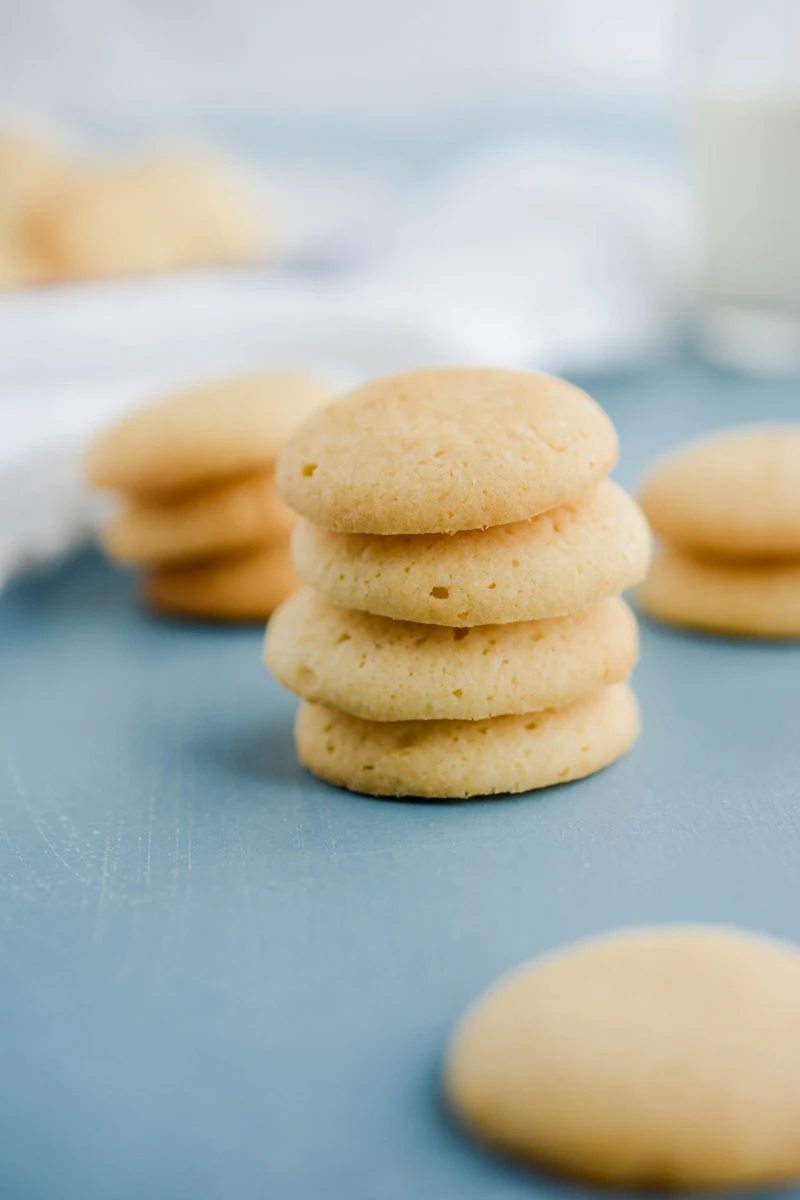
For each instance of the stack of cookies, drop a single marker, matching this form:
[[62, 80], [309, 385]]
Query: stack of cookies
[[461, 632], [66, 215], [728, 511], [161, 211], [200, 511]]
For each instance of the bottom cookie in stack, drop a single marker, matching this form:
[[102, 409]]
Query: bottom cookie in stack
[[246, 587], [748, 599], [450, 760]]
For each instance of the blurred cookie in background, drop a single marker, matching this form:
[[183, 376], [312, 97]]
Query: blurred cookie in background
[[727, 508], [734, 494], [244, 588], [200, 509], [148, 214], [205, 433], [199, 524], [745, 599], [32, 161], [68, 215]]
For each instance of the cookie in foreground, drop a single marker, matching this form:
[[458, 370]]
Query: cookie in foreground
[[450, 760], [665, 1056]]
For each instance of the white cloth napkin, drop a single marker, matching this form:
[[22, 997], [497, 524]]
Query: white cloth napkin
[[532, 255]]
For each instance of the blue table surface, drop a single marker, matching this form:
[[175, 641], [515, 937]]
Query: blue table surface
[[222, 979]]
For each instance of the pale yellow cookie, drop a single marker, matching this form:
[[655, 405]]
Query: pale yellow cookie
[[245, 588], [665, 1057], [446, 449], [206, 433], [386, 670], [735, 494], [29, 166], [203, 524], [554, 564], [756, 601], [450, 760], [19, 266], [153, 213]]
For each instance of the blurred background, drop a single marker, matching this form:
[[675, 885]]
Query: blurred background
[[568, 185], [366, 74]]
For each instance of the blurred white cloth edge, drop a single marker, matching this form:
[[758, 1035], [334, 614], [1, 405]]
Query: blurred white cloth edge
[[529, 255]]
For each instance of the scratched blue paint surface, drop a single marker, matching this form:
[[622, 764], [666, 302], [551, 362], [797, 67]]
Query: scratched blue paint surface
[[221, 979]]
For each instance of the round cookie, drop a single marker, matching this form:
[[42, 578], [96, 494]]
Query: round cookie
[[31, 162], [735, 494], [19, 267], [154, 213], [445, 449], [247, 588], [556, 563], [449, 760], [755, 601], [665, 1057], [207, 433], [384, 670], [241, 513]]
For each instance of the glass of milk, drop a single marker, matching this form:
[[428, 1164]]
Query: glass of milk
[[744, 135]]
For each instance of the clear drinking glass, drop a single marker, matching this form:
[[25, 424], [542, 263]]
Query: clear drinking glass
[[744, 138]]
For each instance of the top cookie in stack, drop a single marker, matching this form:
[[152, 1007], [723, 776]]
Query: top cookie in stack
[[728, 510], [434, 503], [201, 511]]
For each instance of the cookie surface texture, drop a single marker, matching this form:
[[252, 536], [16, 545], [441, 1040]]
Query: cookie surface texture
[[459, 759], [384, 670], [663, 1057], [446, 449], [203, 434], [555, 564], [747, 600], [202, 524], [247, 588], [735, 494]]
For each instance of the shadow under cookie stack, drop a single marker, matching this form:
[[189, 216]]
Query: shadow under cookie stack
[[461, 631], [200, 510]]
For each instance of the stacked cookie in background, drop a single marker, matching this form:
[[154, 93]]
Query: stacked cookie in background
[[68, 213], [461, 632], [728, 510], [200, 510]]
